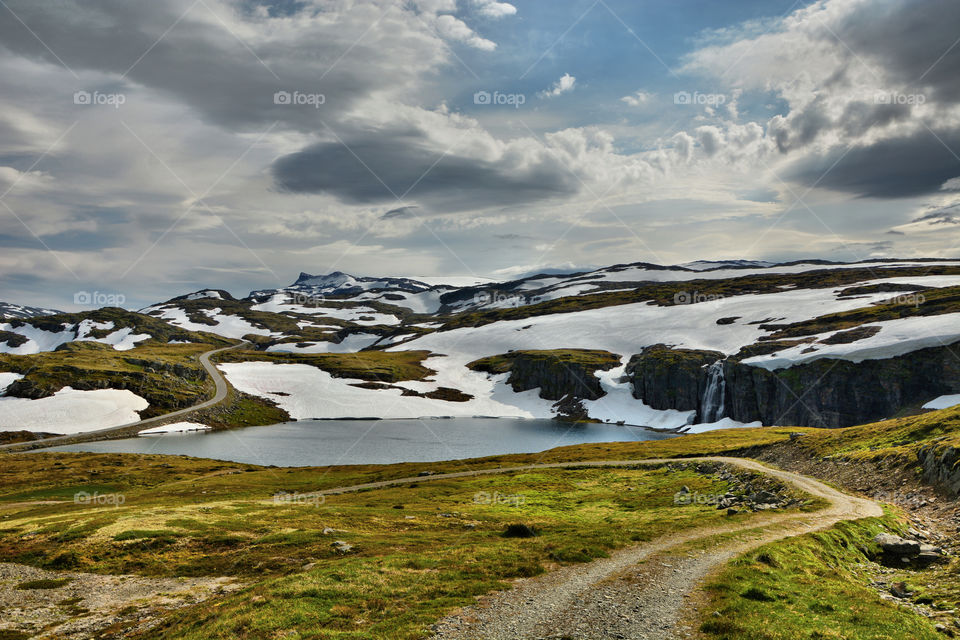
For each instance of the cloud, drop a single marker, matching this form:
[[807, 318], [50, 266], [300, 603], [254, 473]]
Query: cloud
[[911, 165], [637, 99], [227, 64], [494, 9], [399, 212], [561, 86], [863, 123], [452, 28], [383, 166]]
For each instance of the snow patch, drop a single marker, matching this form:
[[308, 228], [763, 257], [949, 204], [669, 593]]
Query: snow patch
[[7, 379], [943, 402], [176, 427], [896, 338], [227, 326], [71, 411], [306, 392]]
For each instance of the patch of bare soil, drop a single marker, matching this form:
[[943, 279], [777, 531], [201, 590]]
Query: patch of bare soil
[[66, 605]]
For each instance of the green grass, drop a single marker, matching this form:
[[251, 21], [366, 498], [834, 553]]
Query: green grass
[[45, 583], [419, 549], [241, 410], [812, 586], [896, 440], [371, 366], [168, 376]]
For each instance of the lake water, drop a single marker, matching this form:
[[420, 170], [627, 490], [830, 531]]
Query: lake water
[[330, 442]]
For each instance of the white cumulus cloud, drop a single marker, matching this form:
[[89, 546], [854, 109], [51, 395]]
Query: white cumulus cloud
[[564, 85]]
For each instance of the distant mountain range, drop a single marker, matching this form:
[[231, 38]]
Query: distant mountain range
[[726, 343], [9, 310]]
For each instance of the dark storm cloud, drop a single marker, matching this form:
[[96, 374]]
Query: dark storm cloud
[[899, 167], [906, 41], [911, 49], [859, 117], [382, 168], [187, 53]]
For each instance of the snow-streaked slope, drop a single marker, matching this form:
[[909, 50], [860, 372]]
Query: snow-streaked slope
[[10, 311], [353, 342], [705, 265], [71, 411], [896, 337], [627, 329], [40, 340], [226, 325], [306, 392], [624, 330], [363, 316]]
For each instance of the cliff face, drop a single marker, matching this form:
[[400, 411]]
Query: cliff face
[[822, 393], [558, 373], [565, 375], [666, 378]]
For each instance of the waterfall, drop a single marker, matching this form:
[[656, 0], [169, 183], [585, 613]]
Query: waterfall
[[712, 403]]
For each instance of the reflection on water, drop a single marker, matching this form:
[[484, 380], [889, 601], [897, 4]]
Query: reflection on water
[[328, 442]]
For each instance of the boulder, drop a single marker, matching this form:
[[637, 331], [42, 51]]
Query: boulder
[[895, 545], [899, 590]]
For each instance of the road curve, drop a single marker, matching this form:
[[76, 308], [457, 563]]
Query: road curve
[[222, 388], [630, 594]]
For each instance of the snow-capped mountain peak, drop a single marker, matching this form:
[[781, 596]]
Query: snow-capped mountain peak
[[10, 311]]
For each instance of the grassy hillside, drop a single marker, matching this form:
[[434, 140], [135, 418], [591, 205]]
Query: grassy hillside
[[372, 366], [816, 586], [389, 562], [168, 376], [382, 563]]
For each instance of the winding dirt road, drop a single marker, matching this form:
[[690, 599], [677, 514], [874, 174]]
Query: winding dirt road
[[640, 593], [222, 388]]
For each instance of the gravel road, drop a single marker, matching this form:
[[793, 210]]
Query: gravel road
[[640, 593]]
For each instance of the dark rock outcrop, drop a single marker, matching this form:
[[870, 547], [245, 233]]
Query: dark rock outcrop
[[823, 393], [558, 373], [667, 378]]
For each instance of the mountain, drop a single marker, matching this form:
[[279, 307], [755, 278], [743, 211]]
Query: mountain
[[9, 310], [698, 346], [118, 328]]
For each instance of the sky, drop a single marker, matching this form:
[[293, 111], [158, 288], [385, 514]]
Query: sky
[[150, 149]]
